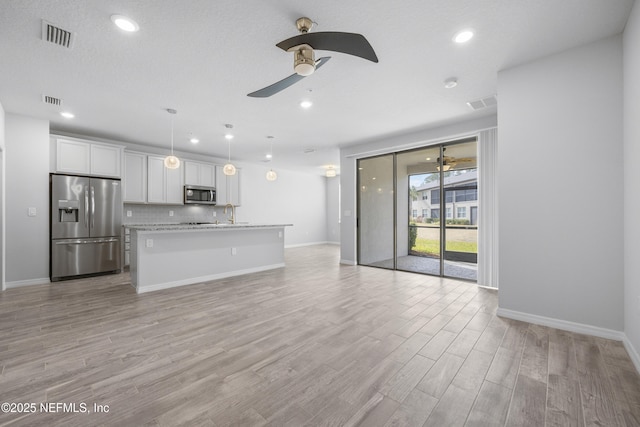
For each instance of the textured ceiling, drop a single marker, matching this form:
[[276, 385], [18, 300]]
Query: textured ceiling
[[201, 57]]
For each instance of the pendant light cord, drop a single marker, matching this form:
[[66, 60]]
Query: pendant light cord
[[172, 134]]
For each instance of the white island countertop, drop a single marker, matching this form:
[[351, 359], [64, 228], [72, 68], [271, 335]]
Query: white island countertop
[[169, 255], [200, 226]]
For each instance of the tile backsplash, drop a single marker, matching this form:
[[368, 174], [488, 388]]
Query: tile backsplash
[[159, 214]]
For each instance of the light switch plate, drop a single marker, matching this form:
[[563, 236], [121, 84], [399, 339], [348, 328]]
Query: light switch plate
[[170, 213], [129, 214], [32, 212]]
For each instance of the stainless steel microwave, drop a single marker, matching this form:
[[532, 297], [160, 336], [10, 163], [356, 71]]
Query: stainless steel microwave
[[198, 195]]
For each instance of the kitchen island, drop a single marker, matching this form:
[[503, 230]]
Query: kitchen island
[[169, 255]]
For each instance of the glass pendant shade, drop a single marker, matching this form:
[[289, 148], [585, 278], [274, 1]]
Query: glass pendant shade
[[171, 162], [229, 169], [271, 175]]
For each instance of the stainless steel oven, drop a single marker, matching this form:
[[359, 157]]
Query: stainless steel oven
[[199, 195]]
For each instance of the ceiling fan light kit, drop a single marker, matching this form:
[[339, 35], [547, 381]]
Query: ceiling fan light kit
[[303, 46]]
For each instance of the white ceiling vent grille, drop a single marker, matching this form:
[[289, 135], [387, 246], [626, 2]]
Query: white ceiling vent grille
[[489, 101], [56, 35], [52, 100]]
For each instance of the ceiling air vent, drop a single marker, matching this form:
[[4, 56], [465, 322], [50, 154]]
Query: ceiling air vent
[[479, 104], [56, 35], [52, 100]]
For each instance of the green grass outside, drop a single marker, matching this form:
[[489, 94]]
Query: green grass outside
[[432, 247]]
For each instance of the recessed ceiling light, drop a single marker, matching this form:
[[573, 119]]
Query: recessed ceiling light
[[125, 23], [228, 136], [428, 158], [306, 104], [463, 36], [450, 83], [194, 140], [269, 156], [67, 115]]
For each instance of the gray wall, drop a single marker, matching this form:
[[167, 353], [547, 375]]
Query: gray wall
[[560, 184], [632, 178], [27, 185]]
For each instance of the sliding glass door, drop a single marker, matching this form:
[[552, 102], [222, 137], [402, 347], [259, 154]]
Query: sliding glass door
[[376, 211], [418, 210]]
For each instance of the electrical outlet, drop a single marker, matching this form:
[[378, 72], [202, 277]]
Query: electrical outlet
[[170, 213], [149, 243], [129, 214], [215, 214], [234, 251], [280, 234]]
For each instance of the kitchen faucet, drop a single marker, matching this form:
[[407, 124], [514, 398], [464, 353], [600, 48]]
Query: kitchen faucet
[[232, 220]]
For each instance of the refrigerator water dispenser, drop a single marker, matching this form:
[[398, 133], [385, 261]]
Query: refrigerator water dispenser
[[68, 210]]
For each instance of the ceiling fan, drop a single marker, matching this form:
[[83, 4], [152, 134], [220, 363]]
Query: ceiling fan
[[303, 46], [449, 162]]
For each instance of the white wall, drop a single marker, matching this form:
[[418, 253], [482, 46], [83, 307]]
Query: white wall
[[27, 185], [294, 198], [560, 184], [349, 155], [2, 201], [333, 209], [632, 179]]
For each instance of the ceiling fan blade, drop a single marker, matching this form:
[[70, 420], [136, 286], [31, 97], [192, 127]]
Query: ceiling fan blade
[[349, 43], [284, 83]]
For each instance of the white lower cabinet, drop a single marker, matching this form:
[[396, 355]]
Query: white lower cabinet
[[163, 185]]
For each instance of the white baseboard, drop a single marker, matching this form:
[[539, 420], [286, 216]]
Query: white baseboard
[[633, 353], [300, 245], [194, 280], [28, 282], [348, 262], [565, 325]]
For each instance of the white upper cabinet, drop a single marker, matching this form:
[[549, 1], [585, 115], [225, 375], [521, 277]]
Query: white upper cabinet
[[135, 178], [228, 187], [105, 160], [88, 158], [197, 173], [163, 185]]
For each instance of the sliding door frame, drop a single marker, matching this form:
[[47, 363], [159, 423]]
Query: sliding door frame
[[442, 232]]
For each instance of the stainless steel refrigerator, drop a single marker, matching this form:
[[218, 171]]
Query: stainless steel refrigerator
[[86, 219]]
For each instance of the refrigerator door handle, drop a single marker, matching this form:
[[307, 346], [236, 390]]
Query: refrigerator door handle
[[93, 207], [86, 207], [82, 242]]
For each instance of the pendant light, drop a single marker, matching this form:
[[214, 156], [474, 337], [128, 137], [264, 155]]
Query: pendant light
[[271, 175], [229, 169], [171, 161]]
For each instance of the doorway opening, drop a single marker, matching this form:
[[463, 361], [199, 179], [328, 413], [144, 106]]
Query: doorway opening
[[418, 210]]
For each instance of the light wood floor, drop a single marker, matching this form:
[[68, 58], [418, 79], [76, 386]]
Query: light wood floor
[[314, 343]]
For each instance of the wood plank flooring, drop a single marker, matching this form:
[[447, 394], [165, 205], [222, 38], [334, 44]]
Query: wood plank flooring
[[312, 344]]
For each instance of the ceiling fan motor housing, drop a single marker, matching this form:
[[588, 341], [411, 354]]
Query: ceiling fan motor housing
[[304, 62]]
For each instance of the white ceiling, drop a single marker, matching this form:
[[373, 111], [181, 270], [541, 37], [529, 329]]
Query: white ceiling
[[201, 57]]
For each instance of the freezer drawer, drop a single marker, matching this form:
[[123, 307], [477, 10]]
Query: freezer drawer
[[73, 257]]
